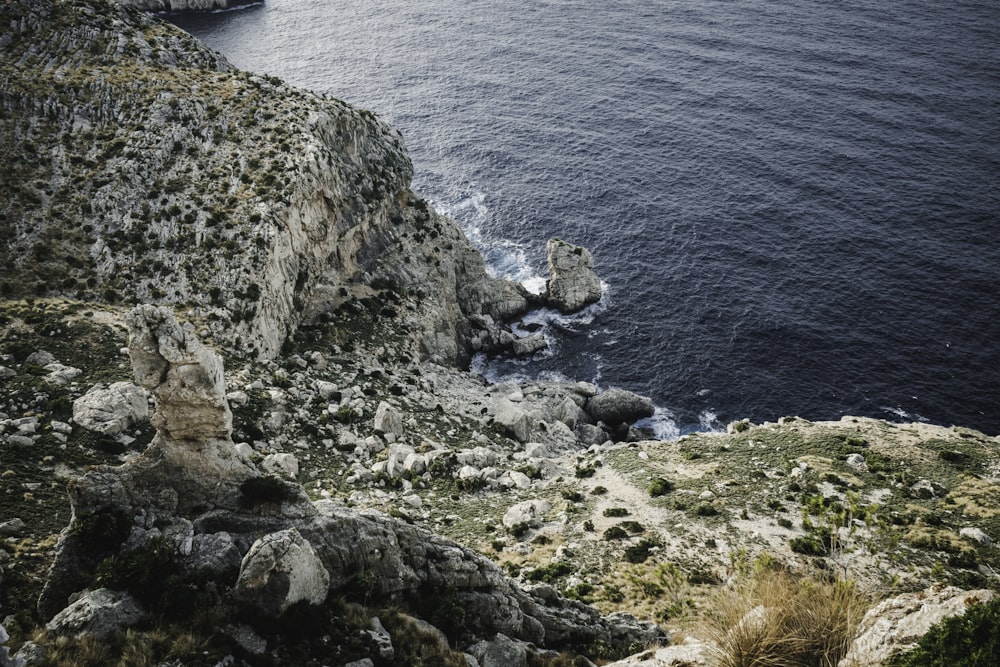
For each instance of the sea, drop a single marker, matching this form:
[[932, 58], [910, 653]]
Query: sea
[[794, 205]]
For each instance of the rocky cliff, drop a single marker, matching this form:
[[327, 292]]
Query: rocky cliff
[[339, 493], [143, 168]]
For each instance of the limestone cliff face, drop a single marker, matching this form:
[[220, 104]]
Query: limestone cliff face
[[144, 168], [184, 5]]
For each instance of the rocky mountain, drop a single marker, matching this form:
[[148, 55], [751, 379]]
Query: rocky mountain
[[235, 336]]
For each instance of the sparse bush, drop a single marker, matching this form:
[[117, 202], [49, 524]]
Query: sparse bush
[[615, 512], [549, 573], [573, 496], [519, 529]]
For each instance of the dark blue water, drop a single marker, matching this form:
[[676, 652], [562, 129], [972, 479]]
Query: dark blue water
[[795, 203]]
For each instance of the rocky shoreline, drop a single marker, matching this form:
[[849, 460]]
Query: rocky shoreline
[[335, 488]]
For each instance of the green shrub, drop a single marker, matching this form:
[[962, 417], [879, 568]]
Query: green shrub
[[660, 487], [549, 573], [615, 533], [615, 512], [633, 527], [970, 640], [266, 489], [807, 545], [638, 553]]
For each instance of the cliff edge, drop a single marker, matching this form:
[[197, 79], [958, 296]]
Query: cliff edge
[[144, 168]]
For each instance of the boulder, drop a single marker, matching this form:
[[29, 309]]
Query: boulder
[[97, 613], [388, 420], [501, 652], [12, 527], [513, 420], [615, 407], [689, 653], [976, 535], [217, 553], [529, 512], [927, 489], [523, 347], [382, 639], [572, 283], [111, 410], [897, 624], [279, 570], [61, 374]]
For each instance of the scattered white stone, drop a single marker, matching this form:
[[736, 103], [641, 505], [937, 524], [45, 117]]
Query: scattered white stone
[[61, 427], [519, 479], [857, 461], [61, 374], [413, 500], [238, 398], [388, 420], [530, 512], [283, 464]]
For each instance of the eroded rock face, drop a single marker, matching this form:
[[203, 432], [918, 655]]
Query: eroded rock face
[[183, 5], [572, 283], [185, 378], [897, 624]]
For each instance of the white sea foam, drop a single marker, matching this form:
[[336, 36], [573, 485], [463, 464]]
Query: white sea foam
[[903, 415], [662, 424], [504, 258]]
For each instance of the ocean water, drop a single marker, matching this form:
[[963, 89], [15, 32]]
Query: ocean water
[[794, 204]]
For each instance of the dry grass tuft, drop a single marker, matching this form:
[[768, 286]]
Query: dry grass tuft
[[773, 619]]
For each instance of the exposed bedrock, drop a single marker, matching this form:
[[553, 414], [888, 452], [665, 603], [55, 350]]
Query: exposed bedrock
[[192, 488]]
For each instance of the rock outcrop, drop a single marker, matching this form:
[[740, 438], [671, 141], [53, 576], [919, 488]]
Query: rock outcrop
[[262, 206], [572, 283], [897, 624], [184, 5], [193, 490]]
